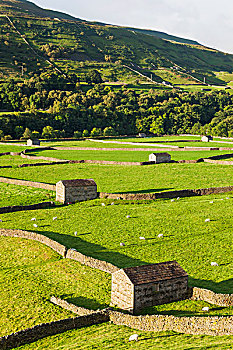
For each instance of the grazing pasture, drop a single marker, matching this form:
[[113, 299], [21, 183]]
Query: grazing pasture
[[120, 179]]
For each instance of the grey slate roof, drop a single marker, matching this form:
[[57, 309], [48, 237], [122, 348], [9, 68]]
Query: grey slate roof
[[78, 183], [155, 272]]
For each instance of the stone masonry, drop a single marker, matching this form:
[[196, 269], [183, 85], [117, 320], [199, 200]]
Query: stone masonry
[[71, 191], [160, 157], [135, 288]]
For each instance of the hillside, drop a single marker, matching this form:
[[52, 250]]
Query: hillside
[[30, 36]]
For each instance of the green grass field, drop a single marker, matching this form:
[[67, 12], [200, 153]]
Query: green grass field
[[22, 195], [31, 273], [186, 234], [124, 156], [109, 336], [118, 179], [14, 161]]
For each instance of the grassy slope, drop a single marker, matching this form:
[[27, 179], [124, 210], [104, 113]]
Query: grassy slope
[[17, 160], [21, 195], [187, 237], [31, 273], [124, 156], [126, 179], [108, 336]]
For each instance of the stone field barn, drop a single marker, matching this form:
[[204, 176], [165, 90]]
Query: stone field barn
[[134, 288], [160, 157], [71, 191]]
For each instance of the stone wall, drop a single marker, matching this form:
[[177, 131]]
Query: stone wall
[[190, 325], [62, 250], [81, 311], [59, 248], [91, 262], [225, 300], [44, 330], [162, 292], [122, 292], [28, 183], [167, 194], [15, 208]]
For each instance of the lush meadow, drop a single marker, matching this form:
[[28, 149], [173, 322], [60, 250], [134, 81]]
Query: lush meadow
[[118, 179]]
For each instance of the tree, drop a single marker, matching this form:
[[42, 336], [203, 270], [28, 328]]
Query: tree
[[85, 133], [27, 134], [93, 77], [18, 132], [109, 131], [48, 132], [35, 135], [77, 134], [1, 135], [96, 132]]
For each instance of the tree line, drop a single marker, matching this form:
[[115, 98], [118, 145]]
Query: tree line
[[52, 105]]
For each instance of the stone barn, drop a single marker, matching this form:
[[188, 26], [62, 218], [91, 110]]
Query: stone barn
[[135, 288], [71, 191], [206, 138], [160, 157], [33, 142]]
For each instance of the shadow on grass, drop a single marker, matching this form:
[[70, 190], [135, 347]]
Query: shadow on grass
[[91, 304], [94, 250], [150, 190], [225, 287]]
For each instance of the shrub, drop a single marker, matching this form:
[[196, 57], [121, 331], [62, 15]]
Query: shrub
[[85, 133], [96, 132], [77, 134], [109, 131]]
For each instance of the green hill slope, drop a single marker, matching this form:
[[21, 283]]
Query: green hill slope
[[31, 36]]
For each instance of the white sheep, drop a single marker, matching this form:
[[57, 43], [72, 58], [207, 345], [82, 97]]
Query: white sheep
[[213, 263], [207, 220], [128, 216], [143, 238], [133, 337], [54, 218], [33, 219], [160, 235], [75, 233], [103, 205], [35, 225], [206, 308], [122, 244]]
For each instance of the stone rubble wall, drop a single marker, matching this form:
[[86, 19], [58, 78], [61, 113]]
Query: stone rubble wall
[[81, 311], [14, 208], [62, 250], [59, 248], [44, 330], [225, 300], [209, 325], [28, 183], [166, 194], [91, 262]]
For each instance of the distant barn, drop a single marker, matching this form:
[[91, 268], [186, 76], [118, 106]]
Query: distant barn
[[71, 191], [135, 288], [160, 157], [33, 142], [206, 138]]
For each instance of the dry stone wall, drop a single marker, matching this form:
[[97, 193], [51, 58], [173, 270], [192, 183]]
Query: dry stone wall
[[225, 300], [91, 262], [59, 248], [15, 208], [81, 311], [28, 183], [167, 194], [190, 325], [48, 329]]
